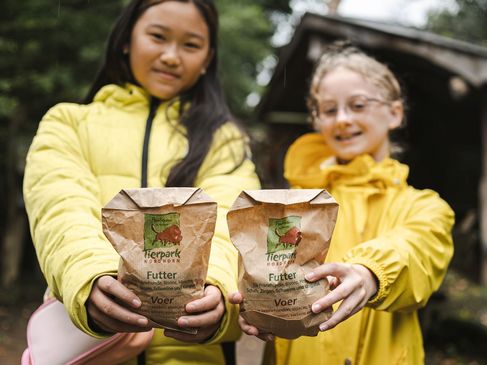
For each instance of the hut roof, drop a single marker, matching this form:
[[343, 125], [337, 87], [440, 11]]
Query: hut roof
[[414, 51]]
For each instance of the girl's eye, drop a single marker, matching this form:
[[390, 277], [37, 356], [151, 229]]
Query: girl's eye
[[330, 111], [158, 36], [358, 106], [192, 45]]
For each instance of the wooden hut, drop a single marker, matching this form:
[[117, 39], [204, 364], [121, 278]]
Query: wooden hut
[[446, 131]]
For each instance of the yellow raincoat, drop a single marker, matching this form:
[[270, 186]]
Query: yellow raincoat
[[402, 234], [81, 157]]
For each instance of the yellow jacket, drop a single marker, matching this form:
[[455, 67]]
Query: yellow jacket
[[402, 234], [81, 157]]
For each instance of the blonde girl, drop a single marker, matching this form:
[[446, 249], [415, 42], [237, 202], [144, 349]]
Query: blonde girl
[[392, 243]]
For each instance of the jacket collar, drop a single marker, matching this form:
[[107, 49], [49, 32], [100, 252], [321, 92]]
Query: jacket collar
[[310, 164], [133, 97]]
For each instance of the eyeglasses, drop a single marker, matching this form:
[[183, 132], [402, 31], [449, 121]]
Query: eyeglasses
[[356, 105]]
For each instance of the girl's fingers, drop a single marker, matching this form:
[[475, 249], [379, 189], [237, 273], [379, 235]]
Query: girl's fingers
[[352, 289], [207, 320], [339, 293], [210, 301], [332, 281], [253, 331], [347, 308], [247, 328], [113, 325], [350, 280], [329, 269], [111, 286], [202, 335], [101, 303], [267, 337], [181, 336], [204, 319], [352, 302], [235, 298]]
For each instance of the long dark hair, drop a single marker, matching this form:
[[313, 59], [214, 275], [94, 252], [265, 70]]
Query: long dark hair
[[208, 109]]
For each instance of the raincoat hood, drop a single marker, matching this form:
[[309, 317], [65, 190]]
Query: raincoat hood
[[309, 163]]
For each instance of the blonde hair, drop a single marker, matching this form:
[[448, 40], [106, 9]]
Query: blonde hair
[[341, 54]]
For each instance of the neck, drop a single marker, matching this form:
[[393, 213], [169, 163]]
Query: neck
[[382, 152]]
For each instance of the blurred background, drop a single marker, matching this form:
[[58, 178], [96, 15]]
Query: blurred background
[[50, 51]]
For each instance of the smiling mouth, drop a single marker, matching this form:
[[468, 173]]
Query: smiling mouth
[[347, 137], [167, 75]]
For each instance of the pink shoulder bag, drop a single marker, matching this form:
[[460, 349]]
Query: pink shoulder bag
[[52, 339]]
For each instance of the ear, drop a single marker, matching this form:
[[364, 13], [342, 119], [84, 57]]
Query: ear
[[397, 114], [314, 123], [125, 48]]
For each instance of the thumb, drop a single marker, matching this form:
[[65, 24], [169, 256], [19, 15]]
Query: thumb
[[212, 291], [235, 298]]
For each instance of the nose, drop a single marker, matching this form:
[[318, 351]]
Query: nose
[[170, 55], [342, 117]]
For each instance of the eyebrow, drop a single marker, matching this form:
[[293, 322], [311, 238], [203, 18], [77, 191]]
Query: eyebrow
[[167, 29], [348, 98]]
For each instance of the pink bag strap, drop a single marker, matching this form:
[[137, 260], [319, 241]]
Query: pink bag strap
[[54, 340]]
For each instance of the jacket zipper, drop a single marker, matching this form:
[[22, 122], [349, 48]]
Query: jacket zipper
[[154, 103]]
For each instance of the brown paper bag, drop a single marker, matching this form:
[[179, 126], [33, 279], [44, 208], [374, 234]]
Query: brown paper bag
[[163, 237], [281, 235]]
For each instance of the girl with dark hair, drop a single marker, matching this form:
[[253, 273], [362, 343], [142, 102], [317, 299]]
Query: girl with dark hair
[[155, 116]]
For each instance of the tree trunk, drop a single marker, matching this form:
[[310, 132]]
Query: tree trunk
[[15, 228], [483, 196]]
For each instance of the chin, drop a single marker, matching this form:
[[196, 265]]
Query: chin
[[163, 94], [347, 156]]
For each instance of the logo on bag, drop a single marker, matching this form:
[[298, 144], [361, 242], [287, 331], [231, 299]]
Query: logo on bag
[[284, 233], [162, 231]]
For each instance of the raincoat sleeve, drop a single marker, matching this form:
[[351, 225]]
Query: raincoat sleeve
[[62, 200], [226, 171], [410, 260]]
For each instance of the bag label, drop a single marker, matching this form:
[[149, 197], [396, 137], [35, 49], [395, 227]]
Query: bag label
[[283, 234], [162, 231]]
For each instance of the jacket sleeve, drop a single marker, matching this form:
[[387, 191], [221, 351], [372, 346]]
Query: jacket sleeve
[[410, 260], [226, 171], [62, 200]]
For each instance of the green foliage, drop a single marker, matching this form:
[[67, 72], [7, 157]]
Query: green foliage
[[274, 5], [467, 23], [50, 51], [245, 33]]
